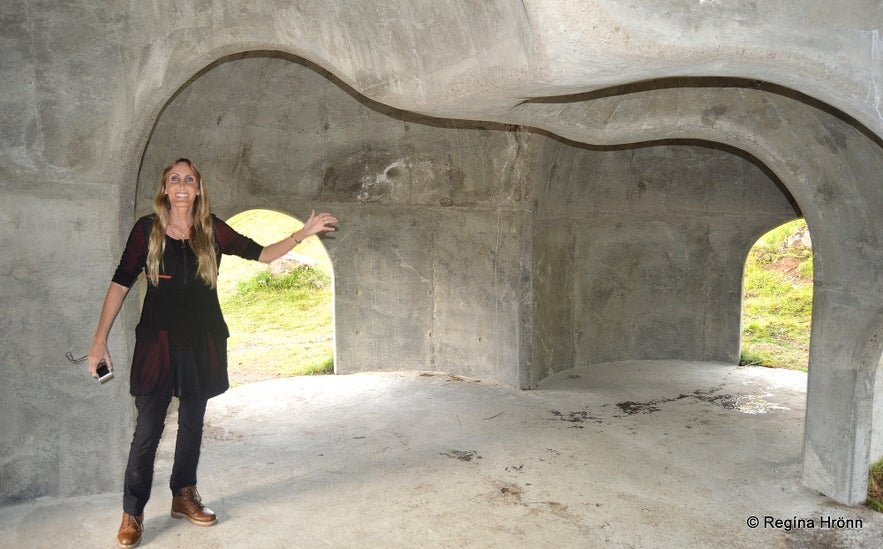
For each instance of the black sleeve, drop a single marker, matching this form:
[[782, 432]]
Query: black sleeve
[[135, 254], [233, 243]]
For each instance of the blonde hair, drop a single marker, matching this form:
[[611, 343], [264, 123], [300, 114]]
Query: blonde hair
[[202, 234]]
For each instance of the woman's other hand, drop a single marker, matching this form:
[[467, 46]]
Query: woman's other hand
[[97, 353]]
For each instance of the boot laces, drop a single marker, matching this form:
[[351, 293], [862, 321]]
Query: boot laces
[[132, 519], [191, 493]]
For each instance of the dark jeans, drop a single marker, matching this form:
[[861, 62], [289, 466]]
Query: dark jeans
[[148, 430]]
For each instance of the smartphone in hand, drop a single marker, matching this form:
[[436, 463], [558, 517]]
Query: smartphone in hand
[[105, 374]]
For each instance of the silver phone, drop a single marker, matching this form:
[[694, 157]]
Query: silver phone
[[105, 374]]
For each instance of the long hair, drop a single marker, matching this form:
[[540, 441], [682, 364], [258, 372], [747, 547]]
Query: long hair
[[202, 235]]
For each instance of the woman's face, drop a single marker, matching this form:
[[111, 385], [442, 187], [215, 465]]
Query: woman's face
[[182, 188]]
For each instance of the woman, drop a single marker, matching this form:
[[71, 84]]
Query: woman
[[181, 340]]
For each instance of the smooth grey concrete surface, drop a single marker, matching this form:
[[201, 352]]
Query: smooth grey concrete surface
[[628, 454], [440, 133], [639, 253], [449, 218]]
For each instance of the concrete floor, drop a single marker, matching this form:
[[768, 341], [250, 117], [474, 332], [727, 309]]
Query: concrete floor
[[632, 454]]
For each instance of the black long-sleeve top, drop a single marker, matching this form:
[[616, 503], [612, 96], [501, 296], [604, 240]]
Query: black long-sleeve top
[[180, 344]]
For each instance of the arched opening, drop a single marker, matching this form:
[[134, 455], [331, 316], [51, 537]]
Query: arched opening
[[875, 476], [279, 315], [777, 295]]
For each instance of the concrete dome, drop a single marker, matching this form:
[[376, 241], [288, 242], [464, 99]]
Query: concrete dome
[[524, 187]]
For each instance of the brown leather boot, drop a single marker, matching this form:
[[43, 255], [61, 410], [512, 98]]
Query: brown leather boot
[[130, 531], [187, 503]]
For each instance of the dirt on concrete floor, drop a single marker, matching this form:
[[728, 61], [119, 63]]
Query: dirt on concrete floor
[[630, 454]]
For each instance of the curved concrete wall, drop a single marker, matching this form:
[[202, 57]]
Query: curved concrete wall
[[639, 252], [831, 166], [88, 86], [429, 261]]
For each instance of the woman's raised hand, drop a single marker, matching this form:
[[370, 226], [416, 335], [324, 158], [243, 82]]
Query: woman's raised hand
[[319, 223]]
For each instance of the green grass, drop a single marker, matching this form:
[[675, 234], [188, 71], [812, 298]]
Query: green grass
[[280, 326], [777, 301], [875, 487]]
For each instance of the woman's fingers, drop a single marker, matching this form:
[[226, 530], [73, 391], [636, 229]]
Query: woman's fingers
[[319, 223]]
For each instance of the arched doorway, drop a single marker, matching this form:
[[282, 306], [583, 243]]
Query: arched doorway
[[279, 315], [777, 294]]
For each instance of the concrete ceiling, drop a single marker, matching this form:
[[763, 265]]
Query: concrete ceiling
[[90, 87]]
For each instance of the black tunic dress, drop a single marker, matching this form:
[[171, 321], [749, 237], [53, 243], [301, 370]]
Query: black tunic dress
[[181, 340]]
